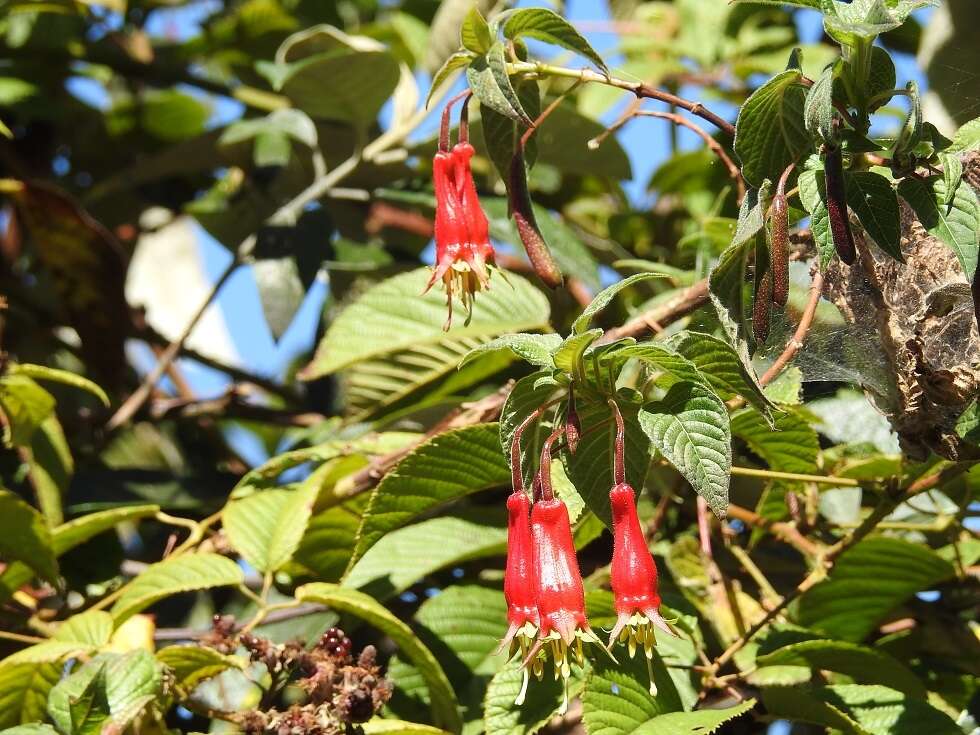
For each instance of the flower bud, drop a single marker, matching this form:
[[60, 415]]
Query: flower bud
[[840, 224]]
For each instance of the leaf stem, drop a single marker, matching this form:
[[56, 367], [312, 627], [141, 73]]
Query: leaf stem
[[774, 475]]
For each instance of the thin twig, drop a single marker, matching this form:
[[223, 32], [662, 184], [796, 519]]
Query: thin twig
[[634, 111], [638, 88]]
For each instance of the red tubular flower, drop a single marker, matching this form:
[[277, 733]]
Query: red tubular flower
[[560, 594], [462, 236], [633, 571], [520, 585]]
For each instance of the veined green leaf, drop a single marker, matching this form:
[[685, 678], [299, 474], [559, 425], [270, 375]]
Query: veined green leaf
[[544, 24], [404, 556], [447, 467], [606, 295], [453, 64], [490, 83], [40, 372], [177, 574], [690, 427], [868, 582], [791, 445], [193, 664], [26, 405], [617, 698], [862, 663], [24, 691], [502, 717], [24, 536], [537, 349], [875, 203], [474, 35], [859, 708], [770, 132], [701, 722], [267, 526]]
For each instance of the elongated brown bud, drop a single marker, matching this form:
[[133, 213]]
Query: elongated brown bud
[[519, 203], [573, 426], [840, 224], [762, 306], [779, 249]]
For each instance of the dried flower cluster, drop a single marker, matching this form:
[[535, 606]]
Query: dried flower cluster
[[340, 690]]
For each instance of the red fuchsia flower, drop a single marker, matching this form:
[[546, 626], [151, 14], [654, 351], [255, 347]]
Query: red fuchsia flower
[[633, 571], [463, 248], [520, 586], [560, 594]]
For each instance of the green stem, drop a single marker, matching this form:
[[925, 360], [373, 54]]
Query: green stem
[[773, 475]]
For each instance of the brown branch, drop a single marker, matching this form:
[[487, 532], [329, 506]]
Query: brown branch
[[785, 531], [680, 305], [634, 111], [230, 405]]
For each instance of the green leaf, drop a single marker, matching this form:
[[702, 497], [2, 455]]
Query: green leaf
[[451, 65], [752, 214], [390, 341], [967, 138], [33, 728], [818, 111], [25, 536], [110, 688], [502, 134], [702, 722], [726, 288], [449, 466], [690, 427], [266, 527], [488, 79], [875, 203], [861, 21], [474, 34], [952, 173], [527, 395], [344, 84], [288, 122], [40, 372], [722, 367], [329, 540], [503, 717], [544, 24], [51, 468], [789, 446], [861, 708], [24, 691], [93, 627], [383, 726], [604, 297], [859, 662], [661, 356], [537, 349], [968, 424], [407, 555], [881, 75], [463, 626], [770, 133], [813, 194], [356, 603], [569, 356], [177, 574], [867, 583], [193, 664], [617, 698], [955, 224], [69, 535], [26, 405]]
